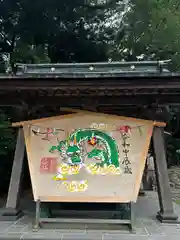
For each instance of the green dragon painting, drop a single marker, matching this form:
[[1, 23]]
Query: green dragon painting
[[72, 151]]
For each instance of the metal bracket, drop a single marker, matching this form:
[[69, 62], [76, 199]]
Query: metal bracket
[[132, 218], [129, 221], [36, 225]]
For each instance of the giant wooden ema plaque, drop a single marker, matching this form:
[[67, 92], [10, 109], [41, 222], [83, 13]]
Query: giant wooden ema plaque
[[87, 157]]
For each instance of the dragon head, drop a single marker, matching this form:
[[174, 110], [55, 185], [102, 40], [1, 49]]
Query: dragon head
[[73, 153], [72, 149]]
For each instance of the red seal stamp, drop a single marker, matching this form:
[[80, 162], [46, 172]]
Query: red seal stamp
[[48, 165]]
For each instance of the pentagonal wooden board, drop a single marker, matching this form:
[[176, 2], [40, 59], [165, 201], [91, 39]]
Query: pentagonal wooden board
[[87, 157]]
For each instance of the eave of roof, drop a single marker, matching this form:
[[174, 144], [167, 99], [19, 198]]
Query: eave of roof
[[94, 76], [97, 70]]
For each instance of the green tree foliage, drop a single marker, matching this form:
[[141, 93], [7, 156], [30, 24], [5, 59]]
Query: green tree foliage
[[172, 137], [87, 30], [7, 145], [151, 31], [25, 53], [70, 30], [6, 134]]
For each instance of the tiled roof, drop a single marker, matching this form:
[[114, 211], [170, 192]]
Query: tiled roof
[[94, 69]]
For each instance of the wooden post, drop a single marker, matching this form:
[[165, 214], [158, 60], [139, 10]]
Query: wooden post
[[166, 213], [11, 211]]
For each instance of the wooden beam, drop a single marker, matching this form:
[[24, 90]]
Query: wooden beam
[[12, 210], [17, 124], [142, 99], [166, 213], [73, 112], [159, 124], [34, 121]]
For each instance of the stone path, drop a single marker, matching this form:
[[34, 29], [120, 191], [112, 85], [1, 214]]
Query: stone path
[[147, 227]]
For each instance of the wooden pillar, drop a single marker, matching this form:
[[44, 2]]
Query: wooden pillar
[[166, 213], [12, 211]]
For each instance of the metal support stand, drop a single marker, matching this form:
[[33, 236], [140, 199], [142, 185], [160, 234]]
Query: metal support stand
[[166, 213], [132, 225], [36, 225], [39, 221], [12, 212]]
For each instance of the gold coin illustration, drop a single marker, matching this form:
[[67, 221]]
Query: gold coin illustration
[[94, 168], [118, 171], [82, 186], [103, 170], [71, 187], [111, 168], [74, 169], [64, 169]]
